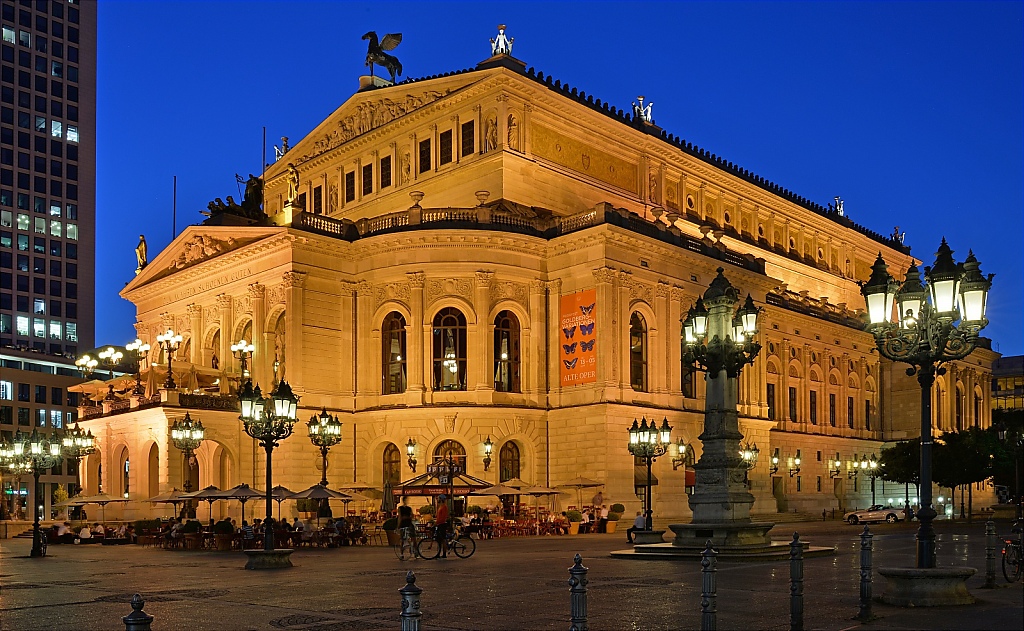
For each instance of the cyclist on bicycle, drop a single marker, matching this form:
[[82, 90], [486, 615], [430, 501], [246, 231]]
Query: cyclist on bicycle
[[441, 525], [406, 527]]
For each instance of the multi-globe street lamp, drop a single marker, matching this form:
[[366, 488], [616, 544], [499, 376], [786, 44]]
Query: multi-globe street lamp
[[87, 364], [139, 349], [78, 443], [242, 351], [933, 325], [268, 422], [187, 435], [324, 432], [649, 442], [169, 342], [110, 357], [870, 466], [33, 454]]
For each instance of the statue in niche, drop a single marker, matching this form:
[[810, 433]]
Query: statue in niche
[[279, 350], [491, 134], [215, 362], [405, 163], [513, 133], [141, 256], [293, 184], [653, 187]]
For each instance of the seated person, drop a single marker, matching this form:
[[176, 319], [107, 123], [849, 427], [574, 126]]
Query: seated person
[[344, 531], [297, 525], [64, 534], [356, 531], [121, 530], [98, 530], [85, 534], [129, 533]]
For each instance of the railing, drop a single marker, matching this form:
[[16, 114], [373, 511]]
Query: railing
[[208, 402], [91, 411]]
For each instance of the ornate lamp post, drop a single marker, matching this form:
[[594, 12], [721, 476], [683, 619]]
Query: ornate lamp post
[[139, 349], [187, 435], [169, 342], [410, 451], [870, 466], [86, 364], [33, 453], [110, 357], [488, 447], [77, 444], [933, 325], [749, 454], [324, 432], [720, 340], [649, 442], [269, 422], [242, 350]]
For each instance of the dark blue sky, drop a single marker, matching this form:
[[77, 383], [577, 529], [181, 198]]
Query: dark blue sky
[[911, 111]]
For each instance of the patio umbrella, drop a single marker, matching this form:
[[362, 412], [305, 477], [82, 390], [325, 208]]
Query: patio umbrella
[[516, 483], [102, 499], [192, 379], [537, 492], [579, 484], [387, 503], [280, 494], [210, 494], [243, 493], [168, 497], [319, 492], [152, 384], [497, 489]]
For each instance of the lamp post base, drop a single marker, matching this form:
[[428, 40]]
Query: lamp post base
[[268, 559], [752, 535], [926, 587]]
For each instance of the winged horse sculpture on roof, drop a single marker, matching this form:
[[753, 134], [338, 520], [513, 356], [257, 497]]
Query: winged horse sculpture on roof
[[375, 53]]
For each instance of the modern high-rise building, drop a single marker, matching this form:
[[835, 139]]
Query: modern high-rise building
[[47, 222]]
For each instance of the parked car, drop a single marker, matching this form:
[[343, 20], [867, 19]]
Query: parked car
[[878, 512]]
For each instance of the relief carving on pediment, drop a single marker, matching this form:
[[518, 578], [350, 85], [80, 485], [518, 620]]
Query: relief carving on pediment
[[200, 248]]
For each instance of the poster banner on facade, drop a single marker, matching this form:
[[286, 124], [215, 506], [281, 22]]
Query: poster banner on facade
[[576, 343]]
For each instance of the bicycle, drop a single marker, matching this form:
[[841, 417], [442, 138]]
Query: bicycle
[[1013, 555], [458, 542], [406, 546]]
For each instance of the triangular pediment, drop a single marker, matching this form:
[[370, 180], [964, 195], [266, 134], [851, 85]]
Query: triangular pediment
[[197, 245], [371, 109]]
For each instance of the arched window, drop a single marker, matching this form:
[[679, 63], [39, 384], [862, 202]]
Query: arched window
[[153, 474], [392, 464], [638, 352], [452, 448], [959, 409], [508, 462], [392, 335], [449, 343], [506, 352]]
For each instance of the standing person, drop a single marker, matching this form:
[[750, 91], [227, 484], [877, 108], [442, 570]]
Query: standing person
[[638, 524], [441, 525], [602, 524], [406, 528]]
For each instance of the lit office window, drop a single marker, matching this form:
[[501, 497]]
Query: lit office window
[[73, 231], [55, 209], [39, 306], [57, 129], [38, 327], [71, 331], [40, 225], [56, 418], [22, 325], [23, 222], [9, 35], [73, 133], [6, 218], [56, 227], [41, 124], [6, 390], [55, 329]]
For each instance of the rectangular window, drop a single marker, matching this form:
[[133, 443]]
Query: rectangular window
[[25, 38], [819, 484], [39, 306], [6, 415], [22, 325], [318, 200], [5, 319], [832, 409], [55, 209], [9, 35], [385, 172], [24, 416], [56, 227], [72, 211], [6, 390], [424, 156], [367, 179], [849, 412], [40, 418], [350, 186], [23, 222], [56, 418], [792, 404], [445, 148], [70, 331], [23, 242], [40, 225], [57, 129], [38, 327], [72, 134], [468, 138], [55, 330], [867, 414], [41, 124], [814, 407], [6, 218], [40, 394], [770, 396], [73, 231], [799, 486], [24, 392]]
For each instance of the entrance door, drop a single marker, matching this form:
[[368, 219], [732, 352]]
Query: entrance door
[[779, 491], [840, 490]]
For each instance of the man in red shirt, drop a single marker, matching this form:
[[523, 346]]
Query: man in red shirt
[[441, 525]]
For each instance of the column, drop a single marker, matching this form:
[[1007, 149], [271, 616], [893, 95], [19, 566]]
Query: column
[[262, 356], [293, 304], [195, 324], [348, 334], [525, 127], [227, 320], [607, 355], [553, 386], [657, 338], [620, 335], [502, 100], [673, 341], [483, 333], [534, 356], [414, 340], [366, 379]]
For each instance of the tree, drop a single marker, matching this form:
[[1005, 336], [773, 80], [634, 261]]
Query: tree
[[963, 458], [901, 464]]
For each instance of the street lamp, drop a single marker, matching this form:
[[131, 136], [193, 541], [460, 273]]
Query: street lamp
[[86, 364], [774, 468], [794, 468], [488, 446], [77, 444], [187, 435], [33, 453], [169, 342], [1018, 445], [933, 325], [649, 442], [683, 456], [110, 357], [870, 466], [833, 468], [410, 450], [268, 422], [139, 349], [324, 432], [242, 350]]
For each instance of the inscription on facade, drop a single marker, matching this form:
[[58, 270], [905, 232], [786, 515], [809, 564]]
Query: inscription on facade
[[206, 285], [579, 157]]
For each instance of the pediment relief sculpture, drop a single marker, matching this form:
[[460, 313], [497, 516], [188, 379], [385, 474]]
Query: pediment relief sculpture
[[200, 248]]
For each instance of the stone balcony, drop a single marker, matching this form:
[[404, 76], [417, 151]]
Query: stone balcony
[[164, 398]]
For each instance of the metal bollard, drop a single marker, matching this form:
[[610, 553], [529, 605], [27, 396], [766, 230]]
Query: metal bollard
[[137, 620], [796, 584], [708, 588], [865, 574], [411, 613], [578, 595], [990, 554]]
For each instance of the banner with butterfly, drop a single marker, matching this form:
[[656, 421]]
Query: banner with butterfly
[[578, 355]]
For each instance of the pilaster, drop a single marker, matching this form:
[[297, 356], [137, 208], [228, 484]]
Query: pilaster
[[294, 283]]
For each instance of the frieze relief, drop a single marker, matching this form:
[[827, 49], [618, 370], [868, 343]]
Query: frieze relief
[[437, 288], [243, 305], [370, 115], [391, 291], [510, 290], [200, 248], [275, 295], [211, 314], [182, 323]]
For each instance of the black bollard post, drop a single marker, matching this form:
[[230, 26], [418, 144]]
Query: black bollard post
[[137, 620], [865, 574], [578, 595], [796, 584], [411, 613], [990, 555], [708, 589]]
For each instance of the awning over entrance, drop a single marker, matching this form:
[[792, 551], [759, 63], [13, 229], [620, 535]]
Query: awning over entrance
[[640, 476], [429, 484]]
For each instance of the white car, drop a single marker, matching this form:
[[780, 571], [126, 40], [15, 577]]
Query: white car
[[878, 512]]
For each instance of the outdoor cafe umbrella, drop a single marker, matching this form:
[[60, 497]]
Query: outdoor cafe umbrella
[[280, 494], [173, 497], [499, 490], [211, 494], [579, 484], [102, 499], [319, 492], [387, 503], [537, 492], [243, 493]]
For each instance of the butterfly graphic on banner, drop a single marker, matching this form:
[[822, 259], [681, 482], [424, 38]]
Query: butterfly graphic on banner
[[586, 310], [587, 329], [587, 346], [570, 348], [569, 332], [570, 364]]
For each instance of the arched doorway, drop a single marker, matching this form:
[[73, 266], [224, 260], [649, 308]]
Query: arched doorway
[[509, 467], [391, 464], [153, 471]]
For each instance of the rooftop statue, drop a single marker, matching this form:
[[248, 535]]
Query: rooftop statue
[[141, 256], [250, 208], [375, 53], [838, 207], [641, 112], [502, 45]]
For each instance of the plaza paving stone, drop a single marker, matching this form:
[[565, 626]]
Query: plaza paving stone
[[507, 584]]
